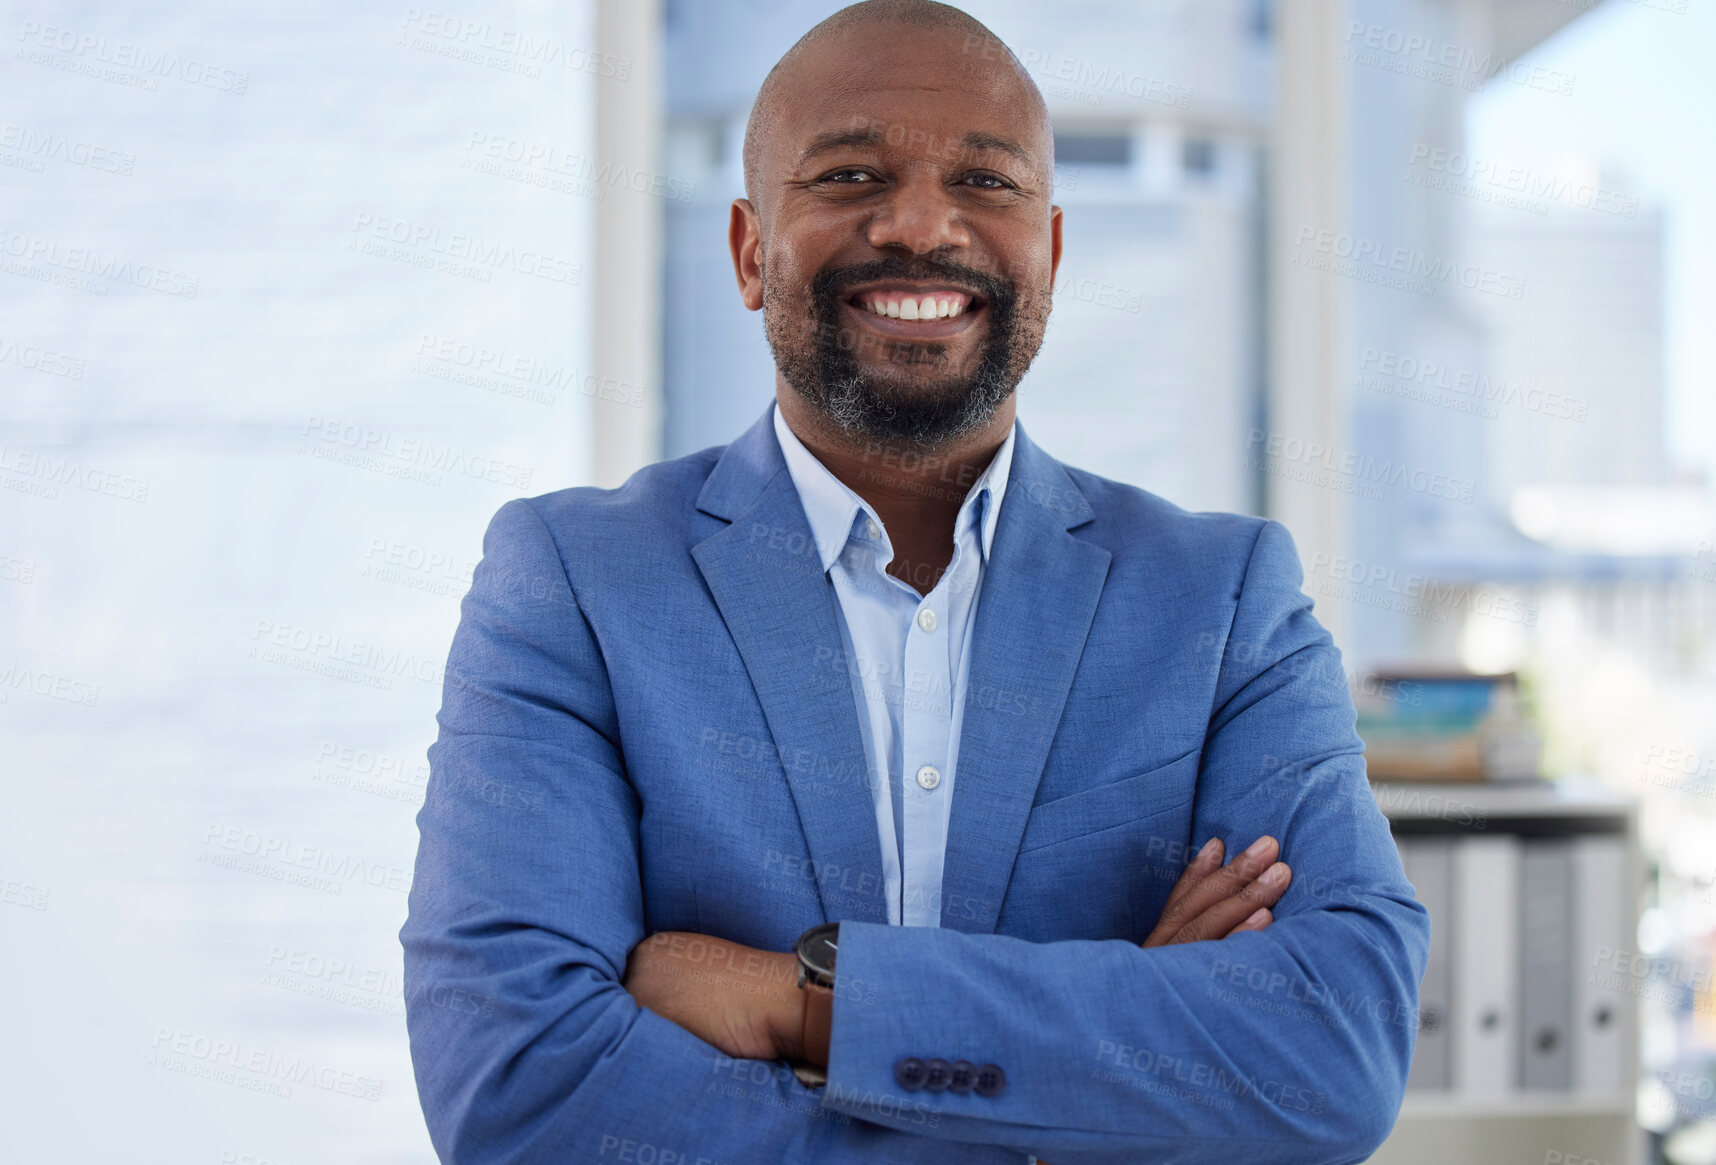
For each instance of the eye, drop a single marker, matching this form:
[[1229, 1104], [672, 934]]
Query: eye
[[847, 177], [990, 181]]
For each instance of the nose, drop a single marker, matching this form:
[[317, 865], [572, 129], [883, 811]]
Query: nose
[[919, 215]]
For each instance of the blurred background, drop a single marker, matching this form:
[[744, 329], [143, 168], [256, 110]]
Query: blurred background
[[293, 297]]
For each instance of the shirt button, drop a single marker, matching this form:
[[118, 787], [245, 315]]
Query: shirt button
[[871, 528], [926, 619], [928, 777]]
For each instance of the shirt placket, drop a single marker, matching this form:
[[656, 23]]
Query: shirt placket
[[927, 717], [867, 585]]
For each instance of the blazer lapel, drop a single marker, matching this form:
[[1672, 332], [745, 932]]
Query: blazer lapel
[[1039, 595], [766, 577], [1040, 592]]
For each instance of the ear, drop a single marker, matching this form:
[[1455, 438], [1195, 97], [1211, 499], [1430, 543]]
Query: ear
[[745, 240], [1054, 244]]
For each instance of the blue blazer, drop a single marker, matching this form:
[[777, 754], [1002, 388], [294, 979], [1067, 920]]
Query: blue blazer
[[648, 724]]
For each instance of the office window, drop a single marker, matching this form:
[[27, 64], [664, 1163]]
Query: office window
[[1093, 149], [1260, 20], [1198, 157]]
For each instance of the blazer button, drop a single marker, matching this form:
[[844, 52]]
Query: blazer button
[[910, 1072], [939, 1074], [990, 1080], [964, 1076]]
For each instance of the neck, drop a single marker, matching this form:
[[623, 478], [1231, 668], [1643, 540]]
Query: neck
[[916, 492]]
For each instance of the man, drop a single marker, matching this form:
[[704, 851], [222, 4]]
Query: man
[[883, 662]]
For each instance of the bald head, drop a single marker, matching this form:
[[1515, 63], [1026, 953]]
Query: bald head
[[898, 231], [979, 53]]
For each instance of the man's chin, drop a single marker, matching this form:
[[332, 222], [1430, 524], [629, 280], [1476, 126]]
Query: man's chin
[[918, 413], [910, 393]]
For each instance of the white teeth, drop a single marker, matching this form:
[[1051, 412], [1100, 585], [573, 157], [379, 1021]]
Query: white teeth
[[928, 307]]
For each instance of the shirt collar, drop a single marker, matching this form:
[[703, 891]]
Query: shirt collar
[[833, 507]]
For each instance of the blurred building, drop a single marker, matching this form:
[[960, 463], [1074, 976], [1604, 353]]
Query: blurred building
[[1585, 347]]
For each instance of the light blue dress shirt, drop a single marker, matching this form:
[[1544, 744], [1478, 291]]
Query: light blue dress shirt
[[909, 658]]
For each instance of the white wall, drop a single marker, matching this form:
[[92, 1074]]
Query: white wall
[[201, 611]]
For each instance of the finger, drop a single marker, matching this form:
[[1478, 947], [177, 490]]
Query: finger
[[1257, 921], [1206, 863], [1220, 919], [1221, 885]]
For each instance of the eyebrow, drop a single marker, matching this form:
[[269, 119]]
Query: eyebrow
[[974, 141]]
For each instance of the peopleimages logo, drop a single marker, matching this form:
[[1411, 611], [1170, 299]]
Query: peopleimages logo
[[530, 50], [536, 163], [1521, 180], [35, 254], [285, 643], [1436, 382], [42, 473], [1367, 259], [1374, 584], [1050, 67], [42, 146], [508, 373], [389, 451], [478, 253], [1357, 473], [258, 1069], [81, 48], [53, 685], [39, 359], [1434, 59]]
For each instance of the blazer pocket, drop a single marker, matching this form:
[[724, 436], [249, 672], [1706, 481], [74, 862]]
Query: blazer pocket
[[1147, 794]]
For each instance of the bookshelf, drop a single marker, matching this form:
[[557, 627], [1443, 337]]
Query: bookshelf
[[1510, 1125]]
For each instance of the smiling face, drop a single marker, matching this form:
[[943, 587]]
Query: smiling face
[[902, 245]]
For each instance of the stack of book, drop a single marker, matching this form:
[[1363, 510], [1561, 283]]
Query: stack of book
[[1445, 726]]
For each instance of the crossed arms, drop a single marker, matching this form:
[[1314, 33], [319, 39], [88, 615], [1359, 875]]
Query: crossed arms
[[747, 1002], [1295, 1038]]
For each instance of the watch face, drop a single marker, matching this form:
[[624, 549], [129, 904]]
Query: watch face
[[820, 948]]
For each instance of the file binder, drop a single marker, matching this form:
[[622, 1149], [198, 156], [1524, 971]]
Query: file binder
[[1600, 889], [1429, 866], [1546, 964], [1484, 1038]]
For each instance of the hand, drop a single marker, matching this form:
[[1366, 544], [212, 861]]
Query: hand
[[744, 1001], [1211, 901]]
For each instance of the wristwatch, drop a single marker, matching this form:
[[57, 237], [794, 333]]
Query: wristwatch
[[816, 950]]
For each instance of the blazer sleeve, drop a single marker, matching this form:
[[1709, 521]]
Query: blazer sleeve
[[526, 900], [1290, 1045]]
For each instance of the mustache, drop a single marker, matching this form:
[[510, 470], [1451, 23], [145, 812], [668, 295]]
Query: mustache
[[832, 283]]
